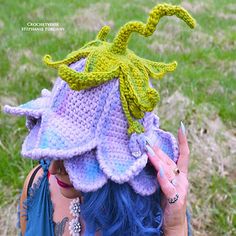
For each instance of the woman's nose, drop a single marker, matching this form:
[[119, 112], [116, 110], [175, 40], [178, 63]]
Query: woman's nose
[[57, 167], [53, 168]]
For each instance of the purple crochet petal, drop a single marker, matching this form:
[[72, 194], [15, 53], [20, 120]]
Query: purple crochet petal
[[85, 173], [119, 165], [32, 108], [31, 140], [150, 121], [163, 139], [114, 155], [53, 139], [167, 143], [145, 183]]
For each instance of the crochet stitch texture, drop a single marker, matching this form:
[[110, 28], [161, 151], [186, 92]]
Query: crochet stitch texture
[[99, 113]]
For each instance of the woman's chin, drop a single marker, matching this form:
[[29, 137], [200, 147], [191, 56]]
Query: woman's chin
[[69, 192]]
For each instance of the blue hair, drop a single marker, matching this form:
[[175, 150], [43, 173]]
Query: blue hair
[[117, 210]]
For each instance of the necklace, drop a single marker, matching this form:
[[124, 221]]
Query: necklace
[[74, 224]]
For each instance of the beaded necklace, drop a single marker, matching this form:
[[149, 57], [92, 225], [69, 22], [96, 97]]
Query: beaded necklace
[[74, 224]]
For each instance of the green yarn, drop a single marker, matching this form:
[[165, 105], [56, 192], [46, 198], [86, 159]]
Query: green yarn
[[106, 61]]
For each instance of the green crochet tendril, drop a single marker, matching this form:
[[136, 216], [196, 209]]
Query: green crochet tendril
[[106, 61]]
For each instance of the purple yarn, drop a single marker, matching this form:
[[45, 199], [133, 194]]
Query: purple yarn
[[88, 130]]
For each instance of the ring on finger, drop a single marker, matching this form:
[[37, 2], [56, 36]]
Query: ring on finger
[[176, 171], [173, 181], [174, 199]]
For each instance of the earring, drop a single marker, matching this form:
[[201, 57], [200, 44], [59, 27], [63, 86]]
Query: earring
[[59, 170]]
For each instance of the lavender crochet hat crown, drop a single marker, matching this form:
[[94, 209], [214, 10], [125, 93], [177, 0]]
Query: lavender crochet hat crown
[[88, 125]]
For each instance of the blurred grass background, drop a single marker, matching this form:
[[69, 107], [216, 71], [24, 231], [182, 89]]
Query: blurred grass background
[[202, 88]]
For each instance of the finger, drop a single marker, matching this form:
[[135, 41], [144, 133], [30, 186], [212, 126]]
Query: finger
[[156, 162], [167, 188], [155, 149], [164, 157], [183, 160]]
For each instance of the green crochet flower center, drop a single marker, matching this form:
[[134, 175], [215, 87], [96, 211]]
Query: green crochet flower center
[[106, 61]]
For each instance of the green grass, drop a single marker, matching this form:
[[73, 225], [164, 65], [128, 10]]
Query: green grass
[[223, 201], [204, 73]]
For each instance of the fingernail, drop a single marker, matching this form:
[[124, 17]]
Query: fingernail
[[161, 171], [182, 128], [150, 151]]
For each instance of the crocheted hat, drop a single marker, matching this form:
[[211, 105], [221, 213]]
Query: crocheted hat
[[98, 116]]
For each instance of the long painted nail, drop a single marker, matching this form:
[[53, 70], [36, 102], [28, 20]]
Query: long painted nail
[[182, 128], [161, 171], [150, 151]]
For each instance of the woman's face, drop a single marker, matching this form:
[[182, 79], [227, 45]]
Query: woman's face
[[57, 169]]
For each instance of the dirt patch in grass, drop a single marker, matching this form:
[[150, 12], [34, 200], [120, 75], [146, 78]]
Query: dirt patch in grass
[[226, 16], [225, 67], [15, 56], [12, 101], [93, 18], [58, 33], [171, 29], [169, 38], [192, 7], [233, 28], [162, 48], [8, 219], [231, 7], [216, 88], [212, 142], [38, 13], [228, 12], [195, 7], [165, 38], [21, 61], [223, 41], [173, 107], [8, 213], [204, 40], [200, 39]]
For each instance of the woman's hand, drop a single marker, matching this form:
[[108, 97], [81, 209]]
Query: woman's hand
[[174, 185]]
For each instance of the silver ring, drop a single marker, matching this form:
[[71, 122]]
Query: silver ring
[[59, 170], [174, 199], [173, 181]]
